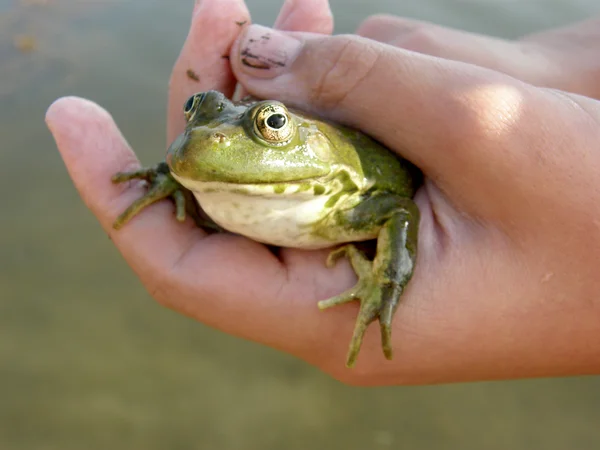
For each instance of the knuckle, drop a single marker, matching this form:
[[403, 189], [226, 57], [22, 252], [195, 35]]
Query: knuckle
[[157, 290], [162, 286], [367, 26], [421, 39], [373, 25], [350, 60], [485, 118]]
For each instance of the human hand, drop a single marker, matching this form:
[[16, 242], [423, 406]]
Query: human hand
[[443, 331], [227, 282], [566, 58], [506, 282]]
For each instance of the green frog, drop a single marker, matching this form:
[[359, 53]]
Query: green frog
[[284, 178]]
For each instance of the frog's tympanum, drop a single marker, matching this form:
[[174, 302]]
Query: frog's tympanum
[[281, 177]]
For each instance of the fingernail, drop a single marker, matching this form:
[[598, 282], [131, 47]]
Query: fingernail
[[265, 52]]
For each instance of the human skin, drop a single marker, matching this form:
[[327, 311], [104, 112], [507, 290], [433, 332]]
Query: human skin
[[566, 58], [506, 283]]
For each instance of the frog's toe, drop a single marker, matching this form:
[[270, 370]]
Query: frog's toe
[[369, 295], [376, 302], [336, 254], [344, 297], [141, 174], [131, 211], [179, 198], [391, 298], [385, 326], [161, 185], [153, 195], [369, 311]]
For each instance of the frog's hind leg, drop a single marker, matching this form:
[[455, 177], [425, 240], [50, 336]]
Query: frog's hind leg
[[381, 281], [366, 291]]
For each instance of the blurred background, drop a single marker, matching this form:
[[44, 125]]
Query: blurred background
[[89, 361]]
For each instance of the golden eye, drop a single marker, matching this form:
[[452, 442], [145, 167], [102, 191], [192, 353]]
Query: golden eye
[[189, 109], [273, 123]]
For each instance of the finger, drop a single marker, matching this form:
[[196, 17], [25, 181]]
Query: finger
[[93, 150], [470, 129], [504, 56], [387, 28], [426, 107], [582, 32], [202, 64], [224, 281], [573, 55], [307, 15], [435, 40]]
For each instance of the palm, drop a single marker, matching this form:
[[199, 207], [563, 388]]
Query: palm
[[488, 293], [225, 281], [238, 285]]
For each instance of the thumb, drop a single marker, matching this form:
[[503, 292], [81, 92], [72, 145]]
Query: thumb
[[451, 119]]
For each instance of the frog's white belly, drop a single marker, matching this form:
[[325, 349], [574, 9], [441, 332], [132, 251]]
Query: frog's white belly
[[284, 219], [284, 222]]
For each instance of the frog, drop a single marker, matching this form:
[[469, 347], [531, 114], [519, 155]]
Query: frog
[[286, 178]]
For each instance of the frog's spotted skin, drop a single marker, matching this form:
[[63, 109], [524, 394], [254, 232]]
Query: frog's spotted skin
[[284, 218], [283, 178]]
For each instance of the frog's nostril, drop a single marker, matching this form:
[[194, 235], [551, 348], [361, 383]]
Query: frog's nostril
[[220, 138]]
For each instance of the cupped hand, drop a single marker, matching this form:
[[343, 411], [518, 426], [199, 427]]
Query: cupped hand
[[566, 58], [506, 283], [228, 282]]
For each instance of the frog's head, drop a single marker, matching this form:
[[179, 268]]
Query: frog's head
[[258, 142]]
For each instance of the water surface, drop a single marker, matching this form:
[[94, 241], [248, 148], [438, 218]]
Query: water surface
[[89, 361]]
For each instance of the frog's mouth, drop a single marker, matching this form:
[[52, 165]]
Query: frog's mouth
[[300, 188], [202, 155]]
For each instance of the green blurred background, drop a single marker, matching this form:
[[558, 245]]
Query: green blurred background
[[89, 361]]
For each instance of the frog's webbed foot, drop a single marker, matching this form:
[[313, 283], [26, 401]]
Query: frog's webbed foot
[[376, 301], [381, 281], [161, 185]]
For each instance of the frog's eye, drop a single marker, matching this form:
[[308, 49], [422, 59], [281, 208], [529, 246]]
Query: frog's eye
[[273, 123], [276, 121], [189, 108]]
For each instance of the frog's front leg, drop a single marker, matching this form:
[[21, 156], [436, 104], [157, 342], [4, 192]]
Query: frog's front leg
[[381, 281], [161, 185]]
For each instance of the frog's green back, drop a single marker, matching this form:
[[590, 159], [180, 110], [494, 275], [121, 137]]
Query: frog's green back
[[386, 170]]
